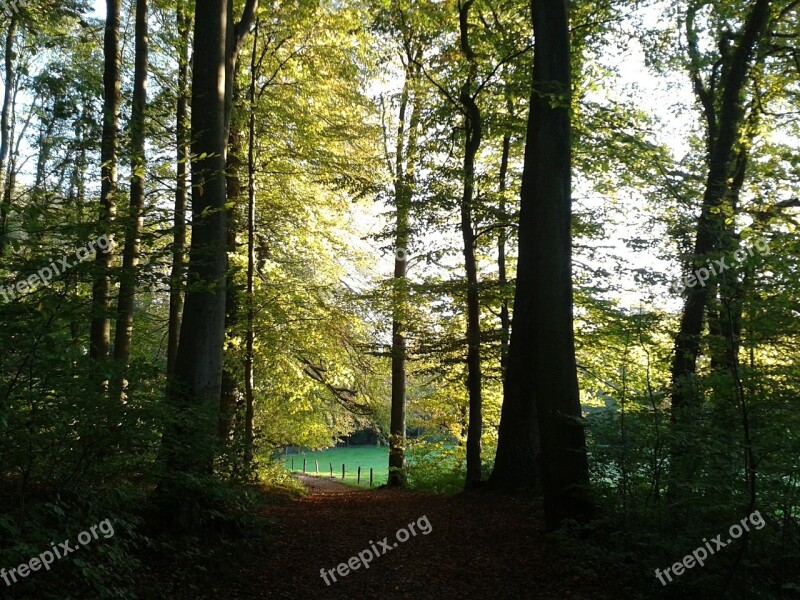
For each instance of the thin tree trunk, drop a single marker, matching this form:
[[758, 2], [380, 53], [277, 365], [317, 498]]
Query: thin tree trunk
[[79, 202], [100, 334], [235, 35], [397, 426], [45, 146], [249, 358], [502, 237], [472, 141], [230, 395], [10, 183], [133, 230], [5, 127], [176, 279], [502, 240], [540, 429]]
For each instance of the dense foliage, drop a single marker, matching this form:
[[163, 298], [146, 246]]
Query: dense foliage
[[350, 127]]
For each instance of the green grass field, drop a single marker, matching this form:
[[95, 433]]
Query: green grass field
[[375, 457]]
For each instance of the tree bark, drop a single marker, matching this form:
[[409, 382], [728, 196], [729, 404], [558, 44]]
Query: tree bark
[[78, 202], [234, 42], [235, 36], [230, 396], [402, 194], [5, 127], [724, 130], [502, 238], [724, 113], [194, 389], [540, 429], [100, 334], [249, 359], [133, 230], [184, 25], [726, 322], [472, 142]]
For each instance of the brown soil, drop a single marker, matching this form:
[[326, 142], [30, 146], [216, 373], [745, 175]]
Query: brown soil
[[479, 546]]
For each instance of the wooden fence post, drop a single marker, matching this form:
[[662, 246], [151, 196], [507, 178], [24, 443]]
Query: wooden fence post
[[370, 477], [342, 471], [358, 479], [331, 466], [304, 465], [292, 463]]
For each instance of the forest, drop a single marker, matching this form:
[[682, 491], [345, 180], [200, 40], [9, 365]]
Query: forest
[[506, 290]]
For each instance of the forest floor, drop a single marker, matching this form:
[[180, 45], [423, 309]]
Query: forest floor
[[477, 546]]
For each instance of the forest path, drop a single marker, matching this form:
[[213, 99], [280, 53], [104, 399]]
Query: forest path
[[477, 546]]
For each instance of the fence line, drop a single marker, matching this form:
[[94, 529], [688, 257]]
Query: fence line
[[344, 471]]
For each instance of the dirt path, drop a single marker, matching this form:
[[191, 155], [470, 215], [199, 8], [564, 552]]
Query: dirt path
[[477, 546]]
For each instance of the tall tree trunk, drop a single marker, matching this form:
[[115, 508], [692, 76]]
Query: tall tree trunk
[[723, 107], [723, 133], [250, 336], [10, 183], [100, 334], [230, 391], [540, 429], [230, 395], [502, 238], [472, 141], [5, 127], [11, 172], [397, 426], [234, 41], [133, 229], [78, 203], [194, 390], [726, 323], [184, 24]]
